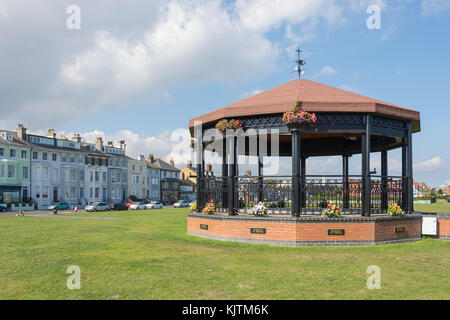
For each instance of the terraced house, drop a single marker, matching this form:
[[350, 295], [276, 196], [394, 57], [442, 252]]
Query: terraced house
[[153, 179], [137, 177], [14, 167]]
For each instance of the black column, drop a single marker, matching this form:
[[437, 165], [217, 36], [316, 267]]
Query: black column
[[303, 184], [224, 175], [384, 183], [404, 204], [296, 172], [200, 189], [409, 167], [367, 188], [345, 186], [231, 151]]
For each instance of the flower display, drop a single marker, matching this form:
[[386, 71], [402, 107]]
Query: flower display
[[332, 211], [259, 210], [395, 210], [210, 208], [299, 118], [193, 208], [225, 124]]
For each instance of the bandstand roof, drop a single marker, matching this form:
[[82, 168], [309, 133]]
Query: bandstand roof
[[315, 97]]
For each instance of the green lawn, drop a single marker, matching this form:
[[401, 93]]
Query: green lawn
[[148, 255], [434, 207]]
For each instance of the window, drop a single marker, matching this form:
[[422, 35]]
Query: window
[[110, 163], [81, 175], [97, 176], [133, 168], [80, 159], [44, 192], [91, 193], [97, 192], [2, 152], [117, 162], [35, 155], [73, 191], [44, 155], [63, 157], [44, 173], [104, 177], [11, 171], [2, 171], [25, 172], [117, 176], [54, 157], [81, 193], [55, 173], [24, 154], [91, 176], [73, 175], [12, 153], [38, 192], [72, 158]]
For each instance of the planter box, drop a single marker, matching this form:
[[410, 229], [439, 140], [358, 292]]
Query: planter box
[[15, 208]]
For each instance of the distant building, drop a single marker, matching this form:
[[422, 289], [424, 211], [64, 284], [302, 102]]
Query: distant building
[[189, 173], [15, 166], [137, 177], [420, 188], [117, 170], [153, 179], [170, 180]]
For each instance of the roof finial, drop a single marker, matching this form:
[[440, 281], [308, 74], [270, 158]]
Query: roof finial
[[300, 63]]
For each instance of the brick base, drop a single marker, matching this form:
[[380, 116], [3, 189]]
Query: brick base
[[307, 231], [443, 226]]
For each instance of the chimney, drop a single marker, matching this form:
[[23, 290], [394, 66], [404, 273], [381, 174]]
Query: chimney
[[21, 132], [51, 133], [76, 137], [209, 168], [123, 146], [63, 137], [110, 144], [150, 158], [248, 172], [141, 157], [99, 144], [172, 162], [189, 164]]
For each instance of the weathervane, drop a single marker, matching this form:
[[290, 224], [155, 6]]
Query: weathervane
[[300, 63]]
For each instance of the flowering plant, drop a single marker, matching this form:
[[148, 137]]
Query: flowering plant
[[332, 211], [193, 208], [259, 210], [224, 124], [192, 143], [210, 208], [298, 117], [395, 210]]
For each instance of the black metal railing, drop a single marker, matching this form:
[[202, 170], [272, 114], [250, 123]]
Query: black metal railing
[[316, 193]]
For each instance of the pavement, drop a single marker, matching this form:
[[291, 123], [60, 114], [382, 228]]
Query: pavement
[[49, 214]]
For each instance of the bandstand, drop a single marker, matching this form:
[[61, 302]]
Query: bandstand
[[347, 124]]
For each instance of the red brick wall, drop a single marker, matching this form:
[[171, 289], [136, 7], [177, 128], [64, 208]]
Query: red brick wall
[[444, 228], [307, 231]]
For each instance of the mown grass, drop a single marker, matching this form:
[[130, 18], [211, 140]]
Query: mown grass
[[437, 207], [148, 255]]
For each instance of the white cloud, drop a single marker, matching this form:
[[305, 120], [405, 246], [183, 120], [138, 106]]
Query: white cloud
[[349, 88], [433, 7], [429, 165], [251, 93], [325, 71]]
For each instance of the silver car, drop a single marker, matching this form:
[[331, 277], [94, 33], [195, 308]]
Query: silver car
[[96, 206], [154, 205]]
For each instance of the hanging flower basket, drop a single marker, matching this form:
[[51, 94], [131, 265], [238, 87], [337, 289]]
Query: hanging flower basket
[[299, 118], [395, 210], [192, 144], [332, 211], [225, 124]]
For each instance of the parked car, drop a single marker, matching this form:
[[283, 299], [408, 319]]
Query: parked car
[[118, 207], [154, 205], [181, 204], [2, 209], [96, 206], [137, 206], [60, 206]]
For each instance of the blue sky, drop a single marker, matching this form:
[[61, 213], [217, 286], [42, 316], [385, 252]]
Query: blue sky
[[205, 55]]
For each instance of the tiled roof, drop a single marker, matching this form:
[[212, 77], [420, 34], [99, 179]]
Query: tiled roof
[[160, 164], [16, 141], [315, 97]]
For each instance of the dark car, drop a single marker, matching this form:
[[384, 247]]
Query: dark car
[[118, 207], [2, 209]]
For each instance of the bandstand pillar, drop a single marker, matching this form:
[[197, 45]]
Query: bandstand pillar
[[409, 167], [404, 203], [296, 172], [200, 182], [224, 175], [366, 181], [345, 185], [303, 180], [233, 201], [384, 182]]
